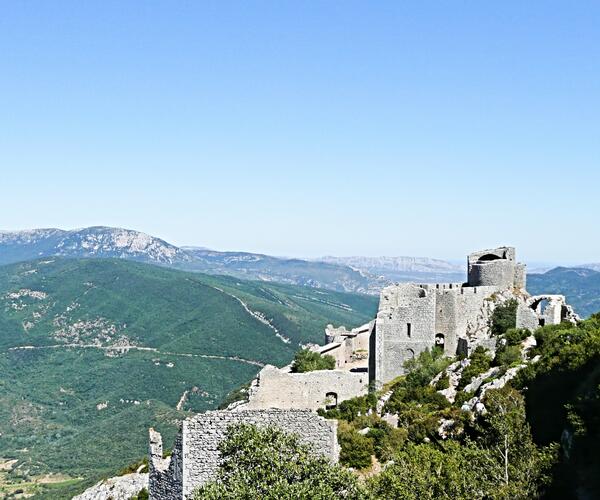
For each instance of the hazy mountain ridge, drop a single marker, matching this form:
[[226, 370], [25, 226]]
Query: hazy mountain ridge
[[97, 241], [404, 264], [284, 270], [354, 274], [367, 275]]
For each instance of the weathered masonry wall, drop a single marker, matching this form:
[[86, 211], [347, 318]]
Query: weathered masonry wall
[[405, 326], [196, 456], [278, 389], [165, 474], [413, 318]]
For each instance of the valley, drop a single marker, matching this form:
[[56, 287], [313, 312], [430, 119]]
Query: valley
[[95, 351]]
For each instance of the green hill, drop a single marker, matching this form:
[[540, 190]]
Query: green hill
[[93, 352], [580, 286]]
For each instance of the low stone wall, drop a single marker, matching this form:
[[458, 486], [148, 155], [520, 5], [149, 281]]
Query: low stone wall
[[116, 488], [276, 388], [196, 456]]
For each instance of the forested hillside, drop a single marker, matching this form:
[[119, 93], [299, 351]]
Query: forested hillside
[[93, 352], [580, 286]]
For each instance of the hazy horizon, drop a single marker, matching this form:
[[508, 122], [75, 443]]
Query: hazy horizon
[[533, 265], [305, 130]]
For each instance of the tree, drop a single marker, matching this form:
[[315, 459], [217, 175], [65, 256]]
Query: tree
[[356, 449], [480, 361], [306, 360], [504, 317], [427, 472], [269, 464], [520, 467]]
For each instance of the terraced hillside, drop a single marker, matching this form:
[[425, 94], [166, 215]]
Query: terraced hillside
[[93, 352]]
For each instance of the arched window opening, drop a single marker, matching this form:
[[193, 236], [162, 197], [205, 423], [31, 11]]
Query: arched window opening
[[331, 400], [488, 257]]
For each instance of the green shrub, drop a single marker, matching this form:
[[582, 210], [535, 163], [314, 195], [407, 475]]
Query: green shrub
[[356, 449], [508, 355], [142, 495], [386, 440], [421, 369], [480, 362], [442, 383], [514, 336], [306, 360], [462, 397], [269, 464], [425, 472], [504, 317], [351, 409]]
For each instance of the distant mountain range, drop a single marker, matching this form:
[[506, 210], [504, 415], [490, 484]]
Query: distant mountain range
[[366, 275], [402, 268], [351, 274]]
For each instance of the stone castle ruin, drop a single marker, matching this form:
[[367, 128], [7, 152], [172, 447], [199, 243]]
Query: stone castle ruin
[[411, 318], [454, 316]]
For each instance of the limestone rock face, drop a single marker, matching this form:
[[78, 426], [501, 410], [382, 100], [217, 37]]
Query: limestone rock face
[[116, 488]]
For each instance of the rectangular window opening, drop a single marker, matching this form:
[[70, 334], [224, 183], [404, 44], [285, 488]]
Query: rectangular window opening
[[408, 329]]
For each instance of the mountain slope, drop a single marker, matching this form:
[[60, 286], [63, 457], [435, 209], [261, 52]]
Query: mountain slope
[[92, 352], [98, 241], [281, 270], [580, 286]]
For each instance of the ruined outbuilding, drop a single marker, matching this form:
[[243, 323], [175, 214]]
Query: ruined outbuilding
[[195, 457]]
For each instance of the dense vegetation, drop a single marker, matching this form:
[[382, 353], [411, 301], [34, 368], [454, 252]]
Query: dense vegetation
[[306, 360], [72, 404], [504, 317], [563, 403], [271, 465]]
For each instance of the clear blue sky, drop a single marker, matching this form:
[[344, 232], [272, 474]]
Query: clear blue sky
[[307, 128]]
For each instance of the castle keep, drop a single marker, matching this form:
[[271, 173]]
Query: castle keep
[[412, 318]]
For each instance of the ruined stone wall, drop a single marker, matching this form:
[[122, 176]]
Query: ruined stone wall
[[196, 449], [277, 389], [447, 317], [520, 276], [450, 310], [544, 310], [500, 273], [203, 433], [396, 341], [343, 345], [165, 474], [475, 310]]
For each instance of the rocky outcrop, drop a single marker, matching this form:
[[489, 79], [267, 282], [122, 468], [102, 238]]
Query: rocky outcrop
[[116, 488]]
